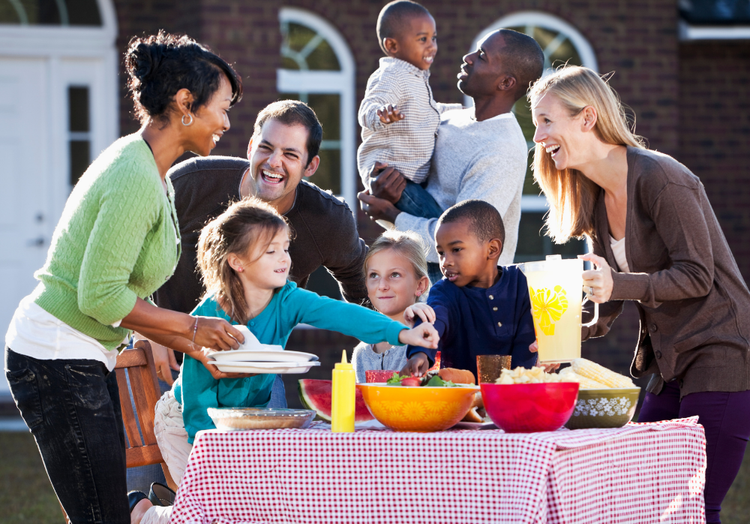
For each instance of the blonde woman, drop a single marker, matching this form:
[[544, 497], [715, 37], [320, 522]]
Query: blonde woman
[[656, 242]]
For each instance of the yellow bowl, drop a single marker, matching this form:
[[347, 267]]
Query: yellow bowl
[[419, 408]]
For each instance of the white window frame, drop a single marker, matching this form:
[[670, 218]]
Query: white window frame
[[328, 82], [693, 32], [529, 19], [66, 51]]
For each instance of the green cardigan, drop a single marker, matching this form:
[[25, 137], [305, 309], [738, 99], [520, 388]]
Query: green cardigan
[[117, 240]]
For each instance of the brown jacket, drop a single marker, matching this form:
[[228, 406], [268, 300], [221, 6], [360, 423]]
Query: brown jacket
[[693, 302]]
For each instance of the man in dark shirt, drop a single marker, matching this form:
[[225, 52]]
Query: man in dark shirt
[[282, 151]]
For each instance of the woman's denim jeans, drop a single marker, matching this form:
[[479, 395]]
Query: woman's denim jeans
[[72, 408]]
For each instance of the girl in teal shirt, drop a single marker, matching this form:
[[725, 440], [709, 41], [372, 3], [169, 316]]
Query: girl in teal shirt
[[244, 260]]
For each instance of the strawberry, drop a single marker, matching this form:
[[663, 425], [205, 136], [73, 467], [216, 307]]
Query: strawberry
[[411, 382]]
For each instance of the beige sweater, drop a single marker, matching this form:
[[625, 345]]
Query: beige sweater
[[693, 302]]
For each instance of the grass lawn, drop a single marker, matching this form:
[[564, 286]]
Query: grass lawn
[[25, 492], [26, 495]]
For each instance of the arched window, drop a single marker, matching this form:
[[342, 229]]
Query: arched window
[[561, 43], [318, 68]]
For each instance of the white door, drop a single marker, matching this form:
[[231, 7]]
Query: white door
[[24, 216]]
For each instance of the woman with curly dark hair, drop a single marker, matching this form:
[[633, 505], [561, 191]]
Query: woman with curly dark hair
[[116, 243]]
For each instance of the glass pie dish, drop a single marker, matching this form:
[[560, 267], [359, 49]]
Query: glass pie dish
[[260, 418]]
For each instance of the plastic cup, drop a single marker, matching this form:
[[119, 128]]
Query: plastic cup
[[489, 367]]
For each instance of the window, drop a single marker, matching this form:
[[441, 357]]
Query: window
[[79, 131], [318, 68], [561, 44], [50, 12]]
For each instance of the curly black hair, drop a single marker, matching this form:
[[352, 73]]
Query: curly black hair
[[486, 222], [160, 65]]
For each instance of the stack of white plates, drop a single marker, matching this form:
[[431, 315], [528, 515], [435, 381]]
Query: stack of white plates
[[254, 357]]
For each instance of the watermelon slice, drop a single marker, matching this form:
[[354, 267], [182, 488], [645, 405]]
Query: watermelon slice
[[316, 394]]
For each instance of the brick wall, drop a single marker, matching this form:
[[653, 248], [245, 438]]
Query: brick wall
[[638, 40], [715, 132]]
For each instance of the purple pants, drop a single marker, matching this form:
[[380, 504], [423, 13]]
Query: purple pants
[[726, 420]]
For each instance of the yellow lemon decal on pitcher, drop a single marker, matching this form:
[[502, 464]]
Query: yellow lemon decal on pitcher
[[547, 307]]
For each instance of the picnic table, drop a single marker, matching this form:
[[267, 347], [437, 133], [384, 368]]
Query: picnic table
[[640, 473]]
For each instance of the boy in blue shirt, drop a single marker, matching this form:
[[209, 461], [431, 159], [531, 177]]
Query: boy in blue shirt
[[481, 308]]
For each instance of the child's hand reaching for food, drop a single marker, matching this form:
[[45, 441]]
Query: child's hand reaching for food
[[416, 366], [421, 310]]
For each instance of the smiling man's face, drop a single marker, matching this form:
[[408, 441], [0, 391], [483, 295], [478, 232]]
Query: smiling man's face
[[278, 160]]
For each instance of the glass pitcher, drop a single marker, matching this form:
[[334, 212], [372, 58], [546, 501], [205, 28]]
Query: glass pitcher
[[556, 293]]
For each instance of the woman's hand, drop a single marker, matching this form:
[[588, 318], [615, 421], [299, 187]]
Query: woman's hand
[[165, 326], [421, 310], [217, 334], [424, 335], [597, 283], [165, 362], [203, 357], [416, 366]]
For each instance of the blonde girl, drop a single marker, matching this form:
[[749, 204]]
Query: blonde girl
[[244, 259], [396, 278]]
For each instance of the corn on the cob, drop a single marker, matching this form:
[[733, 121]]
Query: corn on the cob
[[594, 371], [585, 382]]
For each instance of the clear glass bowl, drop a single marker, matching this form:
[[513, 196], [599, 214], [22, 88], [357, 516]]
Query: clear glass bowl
[[260, 418]]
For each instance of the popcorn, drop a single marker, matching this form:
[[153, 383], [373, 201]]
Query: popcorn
[[534, 375]]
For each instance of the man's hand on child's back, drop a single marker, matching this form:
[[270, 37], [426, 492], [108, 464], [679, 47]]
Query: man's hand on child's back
[[390, 114], [386, 182], [416, 366], [386, 186]]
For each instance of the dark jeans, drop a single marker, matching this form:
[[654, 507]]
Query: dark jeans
[[416, 201], [726, 420], [72, 408]]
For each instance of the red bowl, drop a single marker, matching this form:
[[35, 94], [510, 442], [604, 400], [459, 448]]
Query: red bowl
[[526, 408]]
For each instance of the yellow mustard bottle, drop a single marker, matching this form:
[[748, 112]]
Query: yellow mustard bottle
[[343, 397]]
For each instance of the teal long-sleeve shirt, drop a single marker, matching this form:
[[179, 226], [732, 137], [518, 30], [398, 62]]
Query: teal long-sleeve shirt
[[197, 390]]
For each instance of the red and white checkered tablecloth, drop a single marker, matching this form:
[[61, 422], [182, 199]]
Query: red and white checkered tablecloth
[[640, 473]]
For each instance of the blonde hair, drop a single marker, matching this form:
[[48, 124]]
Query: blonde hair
[[571, 195], [407, 245], [238, 230]]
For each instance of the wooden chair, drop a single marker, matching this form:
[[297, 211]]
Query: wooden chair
[[139, 363]]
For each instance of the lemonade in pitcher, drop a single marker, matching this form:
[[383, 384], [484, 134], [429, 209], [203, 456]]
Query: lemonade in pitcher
[[555, 290]]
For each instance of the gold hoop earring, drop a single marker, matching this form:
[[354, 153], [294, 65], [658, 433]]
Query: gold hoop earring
[[189, 122]]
